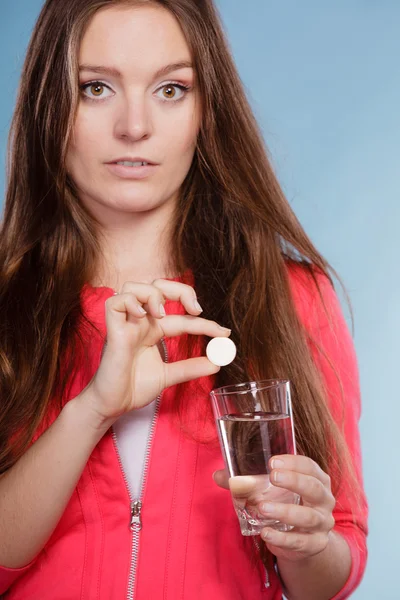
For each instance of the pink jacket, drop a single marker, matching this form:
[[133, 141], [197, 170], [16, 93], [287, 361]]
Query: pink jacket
[[190, 546]]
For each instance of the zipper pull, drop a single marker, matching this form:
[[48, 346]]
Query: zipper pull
[[136, 519]]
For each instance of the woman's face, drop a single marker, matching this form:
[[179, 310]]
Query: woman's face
[[131, 111]]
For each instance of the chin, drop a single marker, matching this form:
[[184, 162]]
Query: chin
[[133, 203]]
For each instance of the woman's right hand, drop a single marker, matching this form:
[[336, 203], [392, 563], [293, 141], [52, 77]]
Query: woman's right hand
[[132, 372]]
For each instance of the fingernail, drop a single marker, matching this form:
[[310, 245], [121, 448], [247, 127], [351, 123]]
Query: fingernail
[[224, 328], [162, 310], [277, 464], [266, 535], [141, 309], [268, 508], [278, 476], [197, 305]]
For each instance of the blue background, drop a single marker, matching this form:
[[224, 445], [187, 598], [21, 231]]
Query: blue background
[[323, 79]]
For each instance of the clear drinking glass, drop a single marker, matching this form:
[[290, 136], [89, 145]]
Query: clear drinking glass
[[255, 422]]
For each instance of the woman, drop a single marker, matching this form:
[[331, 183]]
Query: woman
[[139, 186]]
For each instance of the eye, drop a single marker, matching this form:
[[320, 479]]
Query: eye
[[94, 89], [172, 91]]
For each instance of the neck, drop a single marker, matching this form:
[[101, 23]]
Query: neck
[[136, 248]]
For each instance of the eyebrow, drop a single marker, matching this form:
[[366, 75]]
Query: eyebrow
[[184, 64]]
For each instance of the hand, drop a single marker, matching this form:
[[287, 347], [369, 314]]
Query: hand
[[132, 372], [312, 520]]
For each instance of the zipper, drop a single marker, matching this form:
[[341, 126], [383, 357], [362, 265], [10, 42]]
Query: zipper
[[136, 504], [266, 581], [136, 517]]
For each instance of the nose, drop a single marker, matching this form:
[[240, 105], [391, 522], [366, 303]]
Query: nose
[[133, 120]]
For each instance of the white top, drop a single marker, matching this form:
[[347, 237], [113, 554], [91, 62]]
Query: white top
[[132, 431]]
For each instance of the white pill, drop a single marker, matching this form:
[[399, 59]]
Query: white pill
[[221, 351]]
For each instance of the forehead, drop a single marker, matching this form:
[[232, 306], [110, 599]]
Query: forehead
[[137, 38]]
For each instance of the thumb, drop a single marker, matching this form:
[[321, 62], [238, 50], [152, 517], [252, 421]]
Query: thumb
[[221, 478], [188, 369]]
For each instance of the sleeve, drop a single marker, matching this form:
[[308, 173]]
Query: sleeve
[[334, 355], [9, 576]]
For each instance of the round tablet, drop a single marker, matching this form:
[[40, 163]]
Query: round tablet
[[221, 351]]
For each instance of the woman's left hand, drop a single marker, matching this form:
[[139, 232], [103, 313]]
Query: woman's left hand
[[312, 519]]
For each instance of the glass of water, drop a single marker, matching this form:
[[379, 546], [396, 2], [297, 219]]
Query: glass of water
[[255, 422]]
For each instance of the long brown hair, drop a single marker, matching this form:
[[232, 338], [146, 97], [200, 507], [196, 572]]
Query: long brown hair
[[233, 229]]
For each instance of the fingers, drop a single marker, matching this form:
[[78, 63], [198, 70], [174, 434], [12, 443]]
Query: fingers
[[122, 305], [302, 464], [140, 299], [306, 479], [242, 486], [302, 543], [174, 290], [186, 370], [301, 517], [152, 296], [221, 478], [174, 325], [311, 490]]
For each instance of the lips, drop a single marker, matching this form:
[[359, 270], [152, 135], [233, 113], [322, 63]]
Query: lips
[[134, 159], [133, 173]]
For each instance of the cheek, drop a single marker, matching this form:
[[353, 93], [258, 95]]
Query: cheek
[[85, 138], [182, 137], [180, 125]]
